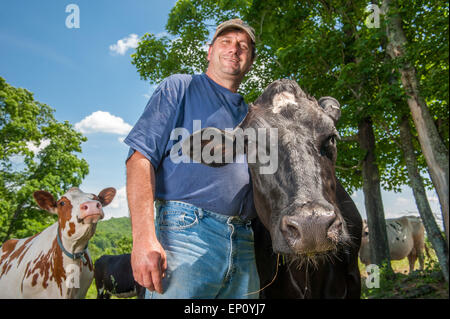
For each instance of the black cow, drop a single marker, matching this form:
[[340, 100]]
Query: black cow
[[307, 222], [327, 277], [114, 276]]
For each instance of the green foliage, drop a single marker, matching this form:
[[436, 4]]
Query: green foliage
[[36, 153], [158, 58], [112, 237], [426, 26]]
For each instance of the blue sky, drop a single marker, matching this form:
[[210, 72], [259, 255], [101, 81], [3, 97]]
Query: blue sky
[[86, 75]]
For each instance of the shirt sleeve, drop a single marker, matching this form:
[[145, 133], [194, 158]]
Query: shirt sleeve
[[151, 132]]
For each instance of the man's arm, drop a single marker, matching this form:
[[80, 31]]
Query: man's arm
[[148, 258]]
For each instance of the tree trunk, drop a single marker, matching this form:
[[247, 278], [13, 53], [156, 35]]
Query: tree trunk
[[434, 150], [379, 247], [433, 232]]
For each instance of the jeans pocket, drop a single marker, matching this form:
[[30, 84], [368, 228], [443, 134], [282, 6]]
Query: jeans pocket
[[174, 218]]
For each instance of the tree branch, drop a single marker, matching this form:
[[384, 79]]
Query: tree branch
[[358, 166], [350, 138], [389, 132]]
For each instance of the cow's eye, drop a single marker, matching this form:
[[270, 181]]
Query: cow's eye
[[62, 203]]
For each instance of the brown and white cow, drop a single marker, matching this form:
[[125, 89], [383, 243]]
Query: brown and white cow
[[305, 216], [406, 238], [55, 263]]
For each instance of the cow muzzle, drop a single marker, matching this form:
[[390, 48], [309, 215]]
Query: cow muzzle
[[312, 231], [91, 212]]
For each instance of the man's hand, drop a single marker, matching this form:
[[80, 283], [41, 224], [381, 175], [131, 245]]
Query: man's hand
[[148, 261], [148, 258]]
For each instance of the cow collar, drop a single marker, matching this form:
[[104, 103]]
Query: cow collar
[[73, 256]]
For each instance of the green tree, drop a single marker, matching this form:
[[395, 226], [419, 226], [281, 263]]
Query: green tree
[[36, 152], [124, 245], [433, 147]]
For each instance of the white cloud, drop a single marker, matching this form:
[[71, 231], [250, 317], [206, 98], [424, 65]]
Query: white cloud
[[37, 148], [120, 199], [103, 122], [122, 45], [400, 201], [119, 205]]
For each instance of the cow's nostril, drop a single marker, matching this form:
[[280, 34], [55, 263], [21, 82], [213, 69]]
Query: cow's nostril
[[98, 205], [293, 231], [290, 227], [329, 219], [335, 230], [336, 223]]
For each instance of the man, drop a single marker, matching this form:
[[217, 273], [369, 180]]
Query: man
[[198, 243]]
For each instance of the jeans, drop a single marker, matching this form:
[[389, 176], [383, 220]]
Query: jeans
[[209, 255]]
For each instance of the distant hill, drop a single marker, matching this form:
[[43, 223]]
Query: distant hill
[[112, 237], [121, 225]]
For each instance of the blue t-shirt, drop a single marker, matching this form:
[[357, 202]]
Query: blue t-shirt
[[177, 102]]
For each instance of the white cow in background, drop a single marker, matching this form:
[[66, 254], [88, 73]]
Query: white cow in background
[[406, 237]]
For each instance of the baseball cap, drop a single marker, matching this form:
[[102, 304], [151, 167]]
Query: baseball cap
[[235, 23]]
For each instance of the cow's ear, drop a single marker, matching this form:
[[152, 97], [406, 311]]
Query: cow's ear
[[46, 201], [213, 147], [331, 106], [106, 196]]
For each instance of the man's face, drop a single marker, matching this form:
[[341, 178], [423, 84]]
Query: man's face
[[231, 54]]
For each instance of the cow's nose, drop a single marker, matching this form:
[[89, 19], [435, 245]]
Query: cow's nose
[[91, 211], [90, 206], [309, 233]]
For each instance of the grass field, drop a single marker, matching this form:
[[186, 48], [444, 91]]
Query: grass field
[[420, 284], [426, 284], [92, 293]]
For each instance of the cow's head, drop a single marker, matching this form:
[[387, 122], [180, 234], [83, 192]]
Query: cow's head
[[296, 201], [78, 212]]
